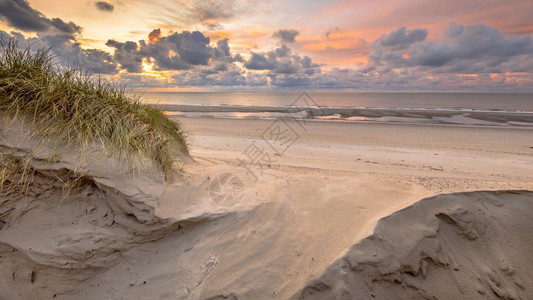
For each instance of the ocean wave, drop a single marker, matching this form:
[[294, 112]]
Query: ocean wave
[[264, 108], [445, 116]]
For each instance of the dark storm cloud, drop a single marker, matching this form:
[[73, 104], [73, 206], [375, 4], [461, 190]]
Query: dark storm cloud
[[481, 40], [233, 77], [177, 51], [286, 81], [258, 62], [284, 70], [20, 15], [193, 47], [67, 52], [286, 35], [402, 59], [222, 51], [470, 49], [139, 80], [282, 51], [54, 34], [402, 38], [96, 61], [279, 61], [104, 6], [127, 55]]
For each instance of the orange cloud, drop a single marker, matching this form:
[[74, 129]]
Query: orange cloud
[[472, 76], [155, 35], [147, 70], [219, 35]]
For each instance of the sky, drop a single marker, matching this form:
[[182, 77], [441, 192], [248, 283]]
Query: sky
[[253, 45]]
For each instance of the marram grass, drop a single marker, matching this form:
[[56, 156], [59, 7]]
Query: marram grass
[[69, 106]]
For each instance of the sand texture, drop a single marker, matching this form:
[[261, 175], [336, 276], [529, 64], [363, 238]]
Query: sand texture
[[458, 246], [301, 228]]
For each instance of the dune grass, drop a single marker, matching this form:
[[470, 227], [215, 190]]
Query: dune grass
[[77, 109]]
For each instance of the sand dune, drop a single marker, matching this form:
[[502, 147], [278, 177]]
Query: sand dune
[[63, 239], [125, 234], [463, 246], [51, 241]]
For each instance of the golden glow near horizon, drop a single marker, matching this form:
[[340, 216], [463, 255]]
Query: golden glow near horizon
[[339, 38], [148, 70]]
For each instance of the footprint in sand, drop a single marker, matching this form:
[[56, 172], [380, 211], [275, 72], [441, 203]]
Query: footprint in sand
[[210, 265]]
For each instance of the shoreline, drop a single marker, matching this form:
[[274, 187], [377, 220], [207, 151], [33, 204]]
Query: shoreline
[[343, 178], [347, 114], [306, 208], [296, 108], [326, 120]]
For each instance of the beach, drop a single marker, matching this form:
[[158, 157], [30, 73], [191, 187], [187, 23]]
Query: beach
[[338, 179], [325, 193], [241, 150], [230, 228]]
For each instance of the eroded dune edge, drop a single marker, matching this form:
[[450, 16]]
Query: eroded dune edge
[[465, 246], [469, 245], [51, 239]]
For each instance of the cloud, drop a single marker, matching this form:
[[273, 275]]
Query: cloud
[[222, 51], [402, 38], [198, 14], [213, 10], [155, 35], [143, 81], [127, 55], [285, 70], [279, 61], [286, 81], [233, 77], [468, 57], [330, 31], [104, 6], [20, 15], [69, 27], [177, 51], [193, 47], [67, 52], [258, 62], [471, 49], [286, 35], [53, 34]]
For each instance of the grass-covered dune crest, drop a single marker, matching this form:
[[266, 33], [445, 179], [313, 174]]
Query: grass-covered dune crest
[[74, 108]]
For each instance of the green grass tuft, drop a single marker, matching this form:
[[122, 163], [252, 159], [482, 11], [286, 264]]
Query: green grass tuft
[[75, 108]]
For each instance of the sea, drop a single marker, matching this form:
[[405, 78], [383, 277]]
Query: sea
[[494, 109]]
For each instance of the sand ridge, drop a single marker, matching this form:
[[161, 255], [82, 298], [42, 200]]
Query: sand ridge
[[465, 245], [174, 241]]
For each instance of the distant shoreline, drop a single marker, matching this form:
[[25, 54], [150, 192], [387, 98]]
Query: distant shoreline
[[356, 114]]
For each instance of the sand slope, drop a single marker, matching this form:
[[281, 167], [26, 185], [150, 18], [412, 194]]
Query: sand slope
[[120, 236], [51, 242], [460, 246]]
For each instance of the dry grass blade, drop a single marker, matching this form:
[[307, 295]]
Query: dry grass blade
[[75, 108]]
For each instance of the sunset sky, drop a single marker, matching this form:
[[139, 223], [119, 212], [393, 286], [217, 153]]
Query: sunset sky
[[453, 45]]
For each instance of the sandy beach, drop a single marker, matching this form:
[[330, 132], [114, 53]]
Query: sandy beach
[[281, 223], [216, 149], [339, 179]]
